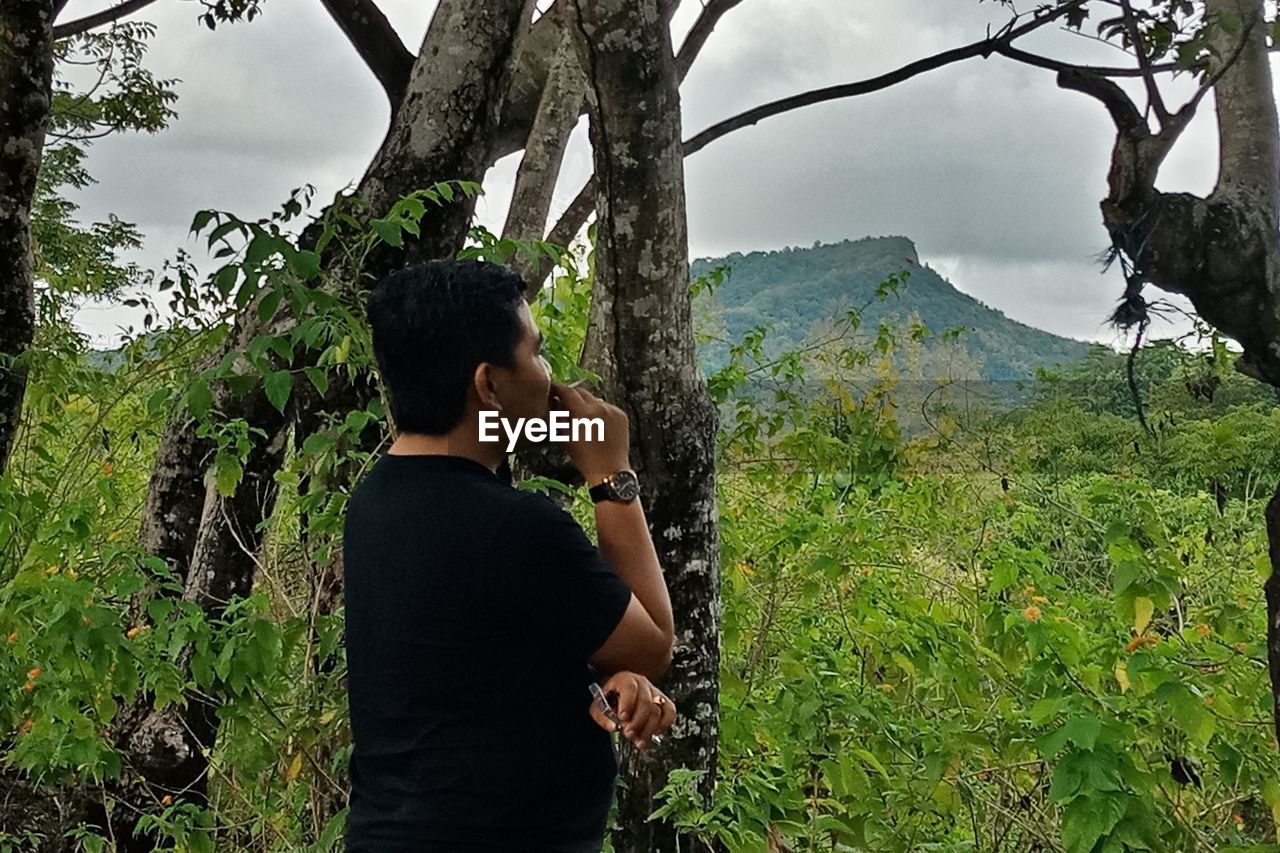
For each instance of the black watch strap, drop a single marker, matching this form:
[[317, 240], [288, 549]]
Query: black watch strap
[[621, 486]]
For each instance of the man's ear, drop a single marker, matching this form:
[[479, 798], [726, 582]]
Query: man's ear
[[485, 388]]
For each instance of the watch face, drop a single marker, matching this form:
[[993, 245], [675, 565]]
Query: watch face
[[625, 485]]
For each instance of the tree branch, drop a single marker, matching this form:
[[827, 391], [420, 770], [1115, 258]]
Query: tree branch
[[711, 14], [1017, 54], [982, 48], [89, 22], [1154, 99], [377, 42], [1124, 112]]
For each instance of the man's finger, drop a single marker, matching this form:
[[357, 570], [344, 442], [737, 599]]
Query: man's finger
[[657, 720], [626, 690], [642, 716], [602, 719], [668, 716]]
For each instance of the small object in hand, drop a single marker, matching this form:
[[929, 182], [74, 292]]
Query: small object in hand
[[603, 704]]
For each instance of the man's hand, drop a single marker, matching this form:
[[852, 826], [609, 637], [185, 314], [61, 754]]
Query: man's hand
[[596, 460], [645, 711]]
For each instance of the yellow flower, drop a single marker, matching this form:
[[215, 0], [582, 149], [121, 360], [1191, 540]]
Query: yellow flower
[[107, 469], [1032, 613], [34, 673], [1203, 630], [1039, 599]]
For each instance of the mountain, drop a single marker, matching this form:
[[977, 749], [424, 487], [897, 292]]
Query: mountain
[[793, 289]]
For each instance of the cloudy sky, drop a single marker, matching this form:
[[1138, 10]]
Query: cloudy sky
[[992, 171]]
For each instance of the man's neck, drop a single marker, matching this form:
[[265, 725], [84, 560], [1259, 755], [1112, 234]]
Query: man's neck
[[450, 444]]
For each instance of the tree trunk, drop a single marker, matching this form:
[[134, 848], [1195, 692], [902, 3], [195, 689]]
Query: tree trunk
[[641, 343], [558, 113], [442, 131], [26, 75]]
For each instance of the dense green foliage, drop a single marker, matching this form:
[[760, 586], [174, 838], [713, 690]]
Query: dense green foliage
[[798, 291], [1007, 628]]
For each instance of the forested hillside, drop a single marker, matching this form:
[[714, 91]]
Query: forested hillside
[[798, 292]]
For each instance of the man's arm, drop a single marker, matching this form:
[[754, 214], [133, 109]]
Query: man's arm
[[625, 542], [642, 641]]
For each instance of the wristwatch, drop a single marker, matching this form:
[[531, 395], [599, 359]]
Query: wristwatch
[[621, 486]]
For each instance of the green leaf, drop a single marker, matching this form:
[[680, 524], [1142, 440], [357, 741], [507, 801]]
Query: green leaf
[[1087, 819], [305, 264], [319, 378], [388, 232], [201, 220], [222, 231], [277, 386], [269, 303], [317, 443], [1083, 731], [225, 279], [199, 398], [227, 474]]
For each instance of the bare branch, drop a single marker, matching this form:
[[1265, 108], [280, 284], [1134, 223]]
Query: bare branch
[[711, 14], [982, 48], [1124, 112], [98, 19], [1019, 55], [377, 42], [1144, 62]]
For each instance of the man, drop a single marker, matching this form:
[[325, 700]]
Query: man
[[477, 614]]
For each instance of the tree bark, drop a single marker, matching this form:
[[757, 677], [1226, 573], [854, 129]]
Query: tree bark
[[641, 343], [26, 74], [442, 131]]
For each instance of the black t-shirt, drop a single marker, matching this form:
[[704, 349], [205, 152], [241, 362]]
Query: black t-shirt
[[471, 610]]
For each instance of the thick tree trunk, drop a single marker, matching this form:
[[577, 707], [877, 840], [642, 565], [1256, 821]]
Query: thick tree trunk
[[442, 131], [641, 343], [26, 74]]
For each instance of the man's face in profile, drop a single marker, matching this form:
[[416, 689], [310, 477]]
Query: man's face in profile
[[524, 390]]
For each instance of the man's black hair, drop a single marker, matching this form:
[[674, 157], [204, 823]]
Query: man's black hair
[[432, 324]]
